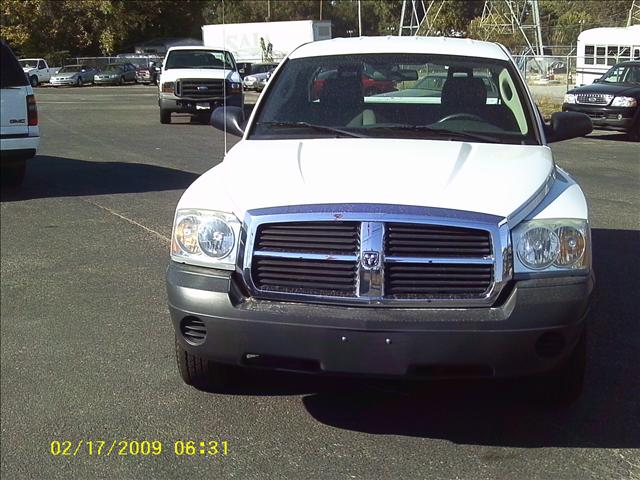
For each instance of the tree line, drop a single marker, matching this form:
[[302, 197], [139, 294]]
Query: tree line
[[106, 27]]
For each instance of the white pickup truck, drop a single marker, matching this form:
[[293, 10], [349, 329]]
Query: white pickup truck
[[37, 70], [424, 234], [196, 80]]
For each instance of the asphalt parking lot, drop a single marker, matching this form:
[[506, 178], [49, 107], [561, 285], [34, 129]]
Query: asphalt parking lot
[[87, 345]]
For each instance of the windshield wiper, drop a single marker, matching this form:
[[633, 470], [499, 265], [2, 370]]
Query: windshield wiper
[[443, 132], [319, 128]]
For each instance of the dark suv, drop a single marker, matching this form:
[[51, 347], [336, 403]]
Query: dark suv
[[612, 101]]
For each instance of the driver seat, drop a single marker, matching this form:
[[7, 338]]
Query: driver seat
[[463, 95]]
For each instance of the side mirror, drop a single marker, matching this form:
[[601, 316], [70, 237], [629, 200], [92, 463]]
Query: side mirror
[[597, 80], [232, 118], [566, 125]]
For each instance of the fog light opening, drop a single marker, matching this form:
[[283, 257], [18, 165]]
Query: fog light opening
[[193, 330]]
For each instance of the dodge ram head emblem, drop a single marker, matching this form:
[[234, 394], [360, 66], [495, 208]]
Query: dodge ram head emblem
[[370, 260], [203, 88]]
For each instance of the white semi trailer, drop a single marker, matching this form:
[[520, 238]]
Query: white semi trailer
[[243, 39]]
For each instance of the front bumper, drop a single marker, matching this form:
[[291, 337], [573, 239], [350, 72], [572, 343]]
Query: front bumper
[[605, 117], [534, 328], [175, 104], [106, 81], [66, 81]]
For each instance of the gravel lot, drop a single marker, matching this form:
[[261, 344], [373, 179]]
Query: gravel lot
[[87, 345]]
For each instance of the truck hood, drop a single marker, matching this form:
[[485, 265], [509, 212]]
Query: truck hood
[[617, 89], [174, 74], [29, 70], [485, 178]]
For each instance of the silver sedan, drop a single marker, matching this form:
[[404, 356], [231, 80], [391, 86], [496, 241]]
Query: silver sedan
[[75, 75]]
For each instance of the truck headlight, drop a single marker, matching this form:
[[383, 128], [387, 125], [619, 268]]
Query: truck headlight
[[167, 87], [206, 238], [624, 102], [569, 98], [552, 245]]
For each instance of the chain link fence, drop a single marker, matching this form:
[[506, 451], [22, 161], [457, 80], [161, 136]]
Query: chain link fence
[[142, 61]]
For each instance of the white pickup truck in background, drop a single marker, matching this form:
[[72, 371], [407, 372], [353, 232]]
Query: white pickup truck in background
[[37, 70]]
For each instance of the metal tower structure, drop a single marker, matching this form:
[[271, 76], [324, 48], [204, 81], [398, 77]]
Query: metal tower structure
[[634, 14], [512, 17], [419, 16]]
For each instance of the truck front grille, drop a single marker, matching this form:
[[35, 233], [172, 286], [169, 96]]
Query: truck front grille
[[593, 98], [417, 280], [362, 262], [199, 88], [315, 277], [416, 240]]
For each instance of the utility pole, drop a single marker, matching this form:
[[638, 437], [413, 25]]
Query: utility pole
[[359, 18], [320, 9]]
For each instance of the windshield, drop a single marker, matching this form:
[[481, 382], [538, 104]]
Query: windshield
[[199, 59], [70, 69], [397, 96], [112, 68], [622, 74], [28, 63]]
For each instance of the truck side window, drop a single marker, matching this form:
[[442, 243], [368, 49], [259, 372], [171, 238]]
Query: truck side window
[[41, 65], [11, 73]]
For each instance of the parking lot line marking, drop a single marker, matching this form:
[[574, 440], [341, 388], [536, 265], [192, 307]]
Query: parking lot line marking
[[131, 221]]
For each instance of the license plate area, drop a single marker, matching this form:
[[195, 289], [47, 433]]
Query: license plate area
[[203, 106]]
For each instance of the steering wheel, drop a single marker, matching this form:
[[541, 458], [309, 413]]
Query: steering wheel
[[461, 116]]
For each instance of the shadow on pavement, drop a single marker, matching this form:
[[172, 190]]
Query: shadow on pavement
[[66, 177], [611, 136], [502, 413]]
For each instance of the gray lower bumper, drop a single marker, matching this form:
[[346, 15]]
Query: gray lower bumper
[[512, 339]]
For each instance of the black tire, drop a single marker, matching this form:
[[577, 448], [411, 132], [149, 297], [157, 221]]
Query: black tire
[[120, 80], [79, 82], [563, 386], [33, 80], [204, 374], [13, 172], [634, 134], [165, 116]]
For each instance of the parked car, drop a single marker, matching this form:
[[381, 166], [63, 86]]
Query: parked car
[[37, 70], [432, 84], [116, 74], [386, 236], [612, 101], [373, 82], [19, 131], [148, 75], [258, 72], [76, 75]]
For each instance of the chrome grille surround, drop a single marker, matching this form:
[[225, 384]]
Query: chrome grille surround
[[370, 282], [593, 98]]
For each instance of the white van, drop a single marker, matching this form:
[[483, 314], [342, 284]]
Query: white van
[[601, 48], [19, 131]]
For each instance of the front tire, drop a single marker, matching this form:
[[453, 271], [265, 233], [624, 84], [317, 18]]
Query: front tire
[[165, 116], [13, 172], [33, 80], [204, 374], [79, 83]]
